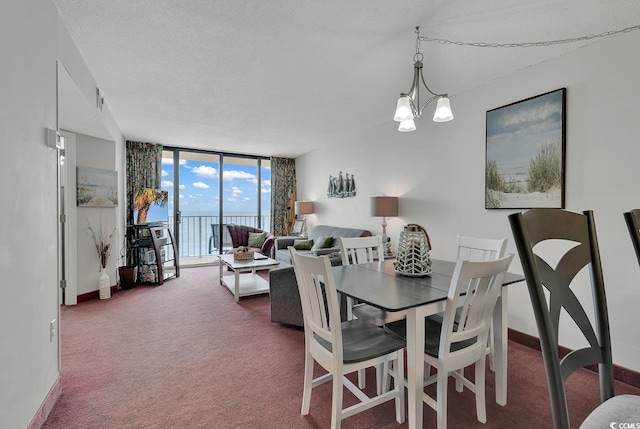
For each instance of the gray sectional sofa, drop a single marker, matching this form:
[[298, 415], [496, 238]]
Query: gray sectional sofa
[[282, 243], [283, 288]]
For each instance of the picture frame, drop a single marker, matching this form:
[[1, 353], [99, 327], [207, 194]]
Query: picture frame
[[525, 153], [96, 187], [298, 227]]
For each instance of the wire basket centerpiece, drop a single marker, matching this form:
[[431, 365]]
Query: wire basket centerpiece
[[413, 252], [243, 253]]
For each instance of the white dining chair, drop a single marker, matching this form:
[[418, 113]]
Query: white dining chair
[[364, 250], [482, 249], [339, 347], [461, 339], [477, 249]]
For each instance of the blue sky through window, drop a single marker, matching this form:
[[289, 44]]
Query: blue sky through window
[[199, 187]]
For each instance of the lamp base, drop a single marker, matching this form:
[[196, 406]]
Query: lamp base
[[386, 243]]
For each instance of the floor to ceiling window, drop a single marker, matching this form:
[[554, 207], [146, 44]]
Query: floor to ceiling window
[[208, 190]]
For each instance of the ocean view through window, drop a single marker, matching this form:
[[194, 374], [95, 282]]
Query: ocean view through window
[[209, 190]]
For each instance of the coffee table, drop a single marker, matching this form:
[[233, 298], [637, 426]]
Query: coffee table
[[245, 281]]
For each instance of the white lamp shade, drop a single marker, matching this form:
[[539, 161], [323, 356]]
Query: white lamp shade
[[406, 126], [443, 111], [403, 110]]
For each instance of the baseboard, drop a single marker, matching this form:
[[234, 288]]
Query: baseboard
[[43, 412], [625, 375], [95, 294]]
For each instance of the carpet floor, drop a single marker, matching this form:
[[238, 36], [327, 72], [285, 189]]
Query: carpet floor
[[185, 355]]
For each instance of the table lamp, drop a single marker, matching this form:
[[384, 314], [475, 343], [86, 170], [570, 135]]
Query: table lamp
[[385, 206], [304, 208]]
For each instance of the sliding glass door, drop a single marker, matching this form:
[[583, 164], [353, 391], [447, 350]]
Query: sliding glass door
[[207, 190]]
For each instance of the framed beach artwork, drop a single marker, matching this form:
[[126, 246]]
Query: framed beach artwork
[[298, 226], [525, 156], [96, 187]]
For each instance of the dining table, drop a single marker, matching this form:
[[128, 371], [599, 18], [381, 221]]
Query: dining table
[[378, 284]]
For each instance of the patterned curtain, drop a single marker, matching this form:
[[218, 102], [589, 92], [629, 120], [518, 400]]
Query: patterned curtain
[[283, 195], [144, 170]]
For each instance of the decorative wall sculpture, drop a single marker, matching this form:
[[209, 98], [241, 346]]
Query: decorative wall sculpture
[[341, 186]]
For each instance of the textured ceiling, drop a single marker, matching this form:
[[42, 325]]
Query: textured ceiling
[[284, 77]]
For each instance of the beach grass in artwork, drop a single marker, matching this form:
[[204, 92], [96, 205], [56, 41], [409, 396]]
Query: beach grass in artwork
[[525, 153], [96, 187]]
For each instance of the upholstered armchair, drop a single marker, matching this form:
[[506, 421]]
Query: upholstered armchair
[[240, 237]]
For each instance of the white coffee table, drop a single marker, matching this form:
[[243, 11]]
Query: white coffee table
[[245, 281]]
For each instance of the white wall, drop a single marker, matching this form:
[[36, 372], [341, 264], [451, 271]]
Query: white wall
[[32, 38], [438, 173], [96, 153], [28, 248]]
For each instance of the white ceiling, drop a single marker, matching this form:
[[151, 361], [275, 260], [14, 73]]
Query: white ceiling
[[284, 77]]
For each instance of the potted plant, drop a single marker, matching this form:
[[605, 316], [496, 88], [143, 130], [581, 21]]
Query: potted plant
[[127, 273]]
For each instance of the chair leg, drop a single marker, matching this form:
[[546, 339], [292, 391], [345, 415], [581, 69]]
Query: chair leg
[[336, 401], [442, 399], [308, 383], [491, 347], [381, 371], [459, 385], [481, 409], [386, 378], [349, 308], [398, 384], [362, 379]]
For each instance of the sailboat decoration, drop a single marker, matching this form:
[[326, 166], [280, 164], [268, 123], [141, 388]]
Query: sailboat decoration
[[341, 186]]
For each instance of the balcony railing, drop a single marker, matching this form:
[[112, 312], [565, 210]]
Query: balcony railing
[[198, 235]]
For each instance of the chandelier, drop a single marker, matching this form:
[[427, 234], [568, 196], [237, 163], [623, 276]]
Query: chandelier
[[409, 106]]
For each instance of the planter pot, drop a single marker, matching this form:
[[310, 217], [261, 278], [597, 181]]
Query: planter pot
[[127, 277]]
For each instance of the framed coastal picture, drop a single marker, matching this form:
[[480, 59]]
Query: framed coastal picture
[[298, 226], [96, 187], [525, 154]]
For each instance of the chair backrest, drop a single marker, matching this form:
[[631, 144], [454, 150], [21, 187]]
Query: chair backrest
[[360, 250], [240, 234], [539, 225], [480, 249], [463, 339], [633, 223], [320, 307]]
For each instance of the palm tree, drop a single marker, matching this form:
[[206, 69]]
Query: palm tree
[[144, 197]]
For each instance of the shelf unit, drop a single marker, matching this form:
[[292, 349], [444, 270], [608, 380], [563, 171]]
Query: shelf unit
[[154, 253]]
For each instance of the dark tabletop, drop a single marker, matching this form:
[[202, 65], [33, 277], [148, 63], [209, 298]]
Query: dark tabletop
[[394, 292]]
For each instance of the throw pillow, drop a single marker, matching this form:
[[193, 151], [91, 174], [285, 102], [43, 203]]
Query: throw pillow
[[302, 244], [256, 239], [322, 243]]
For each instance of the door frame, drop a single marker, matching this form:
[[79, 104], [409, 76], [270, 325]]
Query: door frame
[[69, 251]]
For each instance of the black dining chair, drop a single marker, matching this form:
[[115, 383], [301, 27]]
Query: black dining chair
[[633, 223], [578, 230]]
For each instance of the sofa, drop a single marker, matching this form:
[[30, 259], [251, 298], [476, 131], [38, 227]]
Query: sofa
[[283, 288], [240, 237], [282, 243]]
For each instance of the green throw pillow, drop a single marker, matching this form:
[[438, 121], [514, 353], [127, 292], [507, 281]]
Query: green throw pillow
[[302, 244], [322, 243], [256, 239]]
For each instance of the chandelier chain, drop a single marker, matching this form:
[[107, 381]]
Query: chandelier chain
[[527, 44]]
